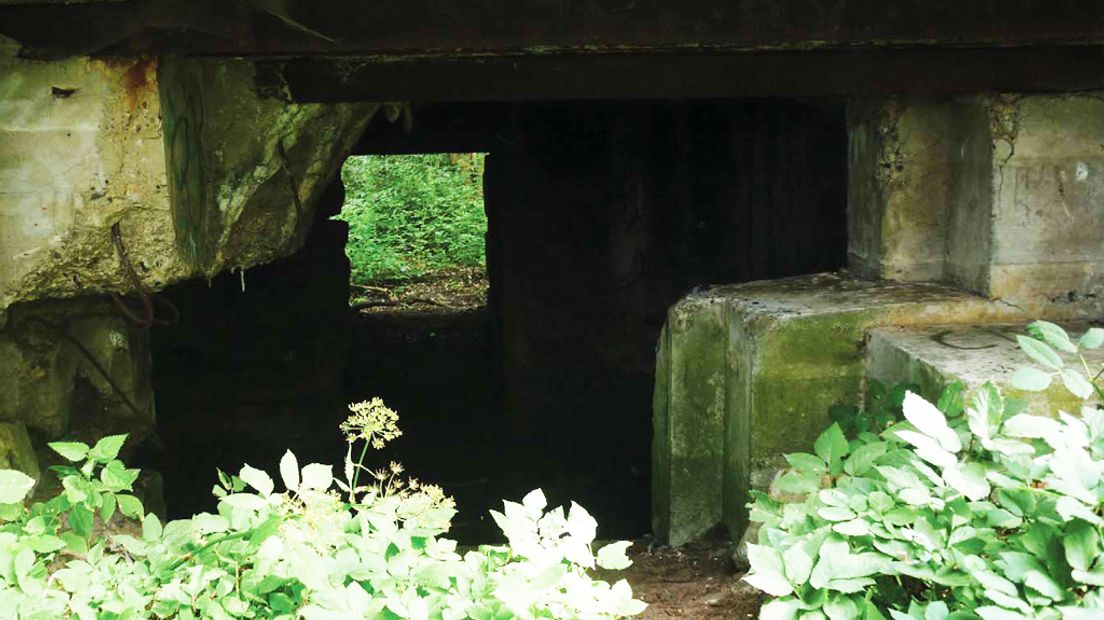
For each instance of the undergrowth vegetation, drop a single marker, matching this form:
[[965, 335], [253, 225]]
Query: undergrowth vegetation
[[364, 544], [976, 506], [412, 215]]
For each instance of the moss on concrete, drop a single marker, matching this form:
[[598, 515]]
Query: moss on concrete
[[245, 171], [689, 422], [748, 372], [16, 451]]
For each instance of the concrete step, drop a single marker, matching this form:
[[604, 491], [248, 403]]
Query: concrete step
[[932, 357]]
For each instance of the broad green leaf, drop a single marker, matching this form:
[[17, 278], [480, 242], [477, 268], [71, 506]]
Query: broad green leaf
[[107, 448], [130, 506], [799, 483], [771, 582], [854, 527], [850, 584], [317, 477], [1077, 383], [863, 458], [1053, 335], [834, 513], [831, 446], [1040, 352], [1093, 338], [116, 477], [931, 422], [45, 543], [797, 563], [806, 462], [80, 520], [927, 448], [1040, 581], [936, 610], [1093, 578], [992, 612], [1031, 426], [900, 516], [1016, 565], [968, 479], [107, 510], [780, 609], [950, 400], [14, 486], [257, 479], [1082, 544], [1031, 379], [841, 609], [151, 527], [612, 556], [289, 471], [70, 450]]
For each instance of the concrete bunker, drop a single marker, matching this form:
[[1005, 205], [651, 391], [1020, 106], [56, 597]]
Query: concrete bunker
[[950, 158], [600, 215]]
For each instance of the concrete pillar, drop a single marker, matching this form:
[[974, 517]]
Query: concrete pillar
[[1002, 195]]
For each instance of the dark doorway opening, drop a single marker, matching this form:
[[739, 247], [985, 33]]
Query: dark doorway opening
[[599, 217]]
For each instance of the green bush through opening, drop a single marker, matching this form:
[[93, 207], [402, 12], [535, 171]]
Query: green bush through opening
[[412, 216]]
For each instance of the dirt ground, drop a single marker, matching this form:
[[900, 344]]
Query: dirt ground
[[443, 291], [697, 582]]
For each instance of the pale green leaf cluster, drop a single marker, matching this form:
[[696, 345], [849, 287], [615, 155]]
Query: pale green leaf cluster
[[308, 551], [961, 510]]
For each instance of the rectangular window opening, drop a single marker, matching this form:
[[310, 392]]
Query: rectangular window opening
[[417, 232]]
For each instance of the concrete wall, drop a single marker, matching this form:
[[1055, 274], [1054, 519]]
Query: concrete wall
[[1002, 195], [199, 170]]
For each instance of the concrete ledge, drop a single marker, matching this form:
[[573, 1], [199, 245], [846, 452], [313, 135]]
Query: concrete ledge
[[932, 357], [748, 372]]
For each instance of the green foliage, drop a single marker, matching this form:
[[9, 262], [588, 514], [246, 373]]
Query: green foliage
[[323, 548], [971, 508], [410, 215]]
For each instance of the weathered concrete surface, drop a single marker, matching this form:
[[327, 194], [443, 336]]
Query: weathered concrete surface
[[1048, 211], [774, 356], [55, 388], [245, 171], [200, 171], [689, 410], [899, 188], [932, 357], [16, 451], [80, 149], [1003, 195]]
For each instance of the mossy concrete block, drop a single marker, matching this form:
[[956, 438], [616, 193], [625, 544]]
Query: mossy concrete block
[[689, 420], [932, 357], [16, 451], [748, 372]]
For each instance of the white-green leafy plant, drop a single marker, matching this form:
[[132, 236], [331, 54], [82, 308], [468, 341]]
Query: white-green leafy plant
[[321, 548], [978, 510]]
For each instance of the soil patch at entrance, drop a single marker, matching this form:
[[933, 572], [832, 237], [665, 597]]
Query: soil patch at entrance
[[696, 582]]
